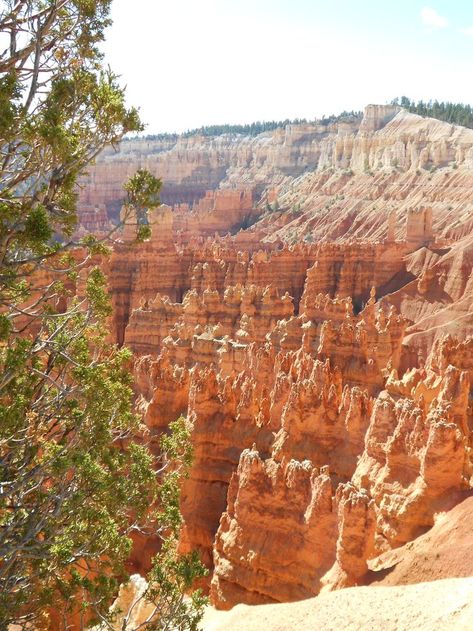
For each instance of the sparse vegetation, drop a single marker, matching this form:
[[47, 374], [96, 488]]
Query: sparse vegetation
[[74, 480], [253, 129], [456, 113]]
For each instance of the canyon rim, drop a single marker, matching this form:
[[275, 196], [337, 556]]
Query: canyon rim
[[236, 320], [306, 302]]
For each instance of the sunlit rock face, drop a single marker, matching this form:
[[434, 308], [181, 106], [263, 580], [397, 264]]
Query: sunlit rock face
[[327, 380], [332, 181]]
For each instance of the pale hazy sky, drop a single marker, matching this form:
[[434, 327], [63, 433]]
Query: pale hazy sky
[[188, 63]]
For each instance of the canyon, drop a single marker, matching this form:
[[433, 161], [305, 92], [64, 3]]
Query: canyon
[[306, 302]]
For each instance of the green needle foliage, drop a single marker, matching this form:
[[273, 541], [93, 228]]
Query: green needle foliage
[[455, 113], [174, 604], [74, 480]]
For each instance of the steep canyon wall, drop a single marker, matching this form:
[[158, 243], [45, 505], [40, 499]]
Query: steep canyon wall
[[321, 354]]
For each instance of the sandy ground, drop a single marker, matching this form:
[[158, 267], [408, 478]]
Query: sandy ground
[[445, 551], [434, 606], [426, 584]]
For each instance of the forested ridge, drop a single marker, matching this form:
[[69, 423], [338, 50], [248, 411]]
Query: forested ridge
[[456, 113], [251, 129]]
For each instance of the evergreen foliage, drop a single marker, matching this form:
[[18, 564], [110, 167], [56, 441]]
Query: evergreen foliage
[[455, 113], [74, 482], [251, 129]]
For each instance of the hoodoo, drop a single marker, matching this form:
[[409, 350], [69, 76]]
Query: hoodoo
[[236, 361], [302, 338]]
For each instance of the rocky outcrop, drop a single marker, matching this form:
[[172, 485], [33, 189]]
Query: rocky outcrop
[[415, 455], [271, 507], [191, 166], [415, 458], [219, 212], [309, 431], [329, 182], [356, 526], [429, 564], [322, 354], [442, 552]]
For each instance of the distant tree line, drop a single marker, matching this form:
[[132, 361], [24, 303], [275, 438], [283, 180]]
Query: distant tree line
[[344, 117], [456, 113], [251, 129]]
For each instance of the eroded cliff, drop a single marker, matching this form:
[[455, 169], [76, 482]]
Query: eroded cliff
[[327, 380]]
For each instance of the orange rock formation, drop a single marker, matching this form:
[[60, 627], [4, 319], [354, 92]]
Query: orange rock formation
[[330, 410]]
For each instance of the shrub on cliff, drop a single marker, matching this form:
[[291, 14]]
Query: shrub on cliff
[[74, 483]]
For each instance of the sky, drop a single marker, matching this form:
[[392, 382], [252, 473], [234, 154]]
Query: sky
[[188, 63]]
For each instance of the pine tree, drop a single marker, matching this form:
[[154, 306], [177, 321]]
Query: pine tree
[[74, 481]]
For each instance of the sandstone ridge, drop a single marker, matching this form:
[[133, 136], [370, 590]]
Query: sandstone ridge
[[306, 301], [319, 426], [328, 181]]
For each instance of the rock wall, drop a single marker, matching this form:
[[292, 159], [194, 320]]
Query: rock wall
[[317, 446], [327, 381], [330, 182]]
